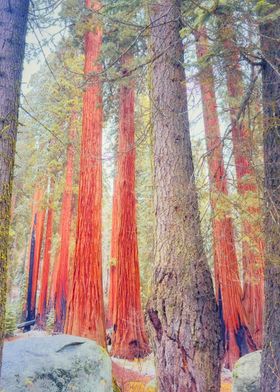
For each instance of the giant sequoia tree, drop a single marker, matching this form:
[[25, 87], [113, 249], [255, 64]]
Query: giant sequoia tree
[[129, 339], [85, 315], [36, 239], [13, 24], [252, 241], [61, 281], [42, 303], [237, 338], [270, 45], [182, 309]]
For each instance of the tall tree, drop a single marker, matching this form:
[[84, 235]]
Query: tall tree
[[182, 310], [114, 255], [270, 46], [13, 25], [42, 303], [129, 338], [86, 308], [236, 335], [252, 241], [65, 228], [35, 255]]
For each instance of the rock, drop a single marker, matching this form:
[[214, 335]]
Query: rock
[[60, 363], [246, 373]]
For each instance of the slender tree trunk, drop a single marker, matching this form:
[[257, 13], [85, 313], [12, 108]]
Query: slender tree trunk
[[53, 284], [86, 307], [252, 240], [182, 310], [114, 255], [236, 336], [270, 45], [129, 338], [13, 24], [65, 229], [42, 305], [35, 255]]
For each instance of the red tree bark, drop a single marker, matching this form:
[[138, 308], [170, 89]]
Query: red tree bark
[[85, 315], [114, 255], [61, 281], [252, 243], [129, 338], [52, 288], [42, 305], [236, 337], [35, 253]]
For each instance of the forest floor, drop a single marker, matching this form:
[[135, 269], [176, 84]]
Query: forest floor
[[132, 376]]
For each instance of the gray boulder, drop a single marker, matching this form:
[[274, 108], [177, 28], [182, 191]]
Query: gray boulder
[[246, 373], [60, 363]]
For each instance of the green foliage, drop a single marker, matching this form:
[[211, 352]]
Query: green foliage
[[10, 321], [50, 321]]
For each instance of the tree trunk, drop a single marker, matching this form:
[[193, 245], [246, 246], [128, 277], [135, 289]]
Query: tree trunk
[[86, 307], [182, 310], [236, 336], [114, 255], [65, 229], [35, 255], [13, 24], [42, 305], [270, 35], [252, 240], [129, 338]]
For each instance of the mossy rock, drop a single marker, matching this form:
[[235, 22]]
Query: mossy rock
[[60, 363]]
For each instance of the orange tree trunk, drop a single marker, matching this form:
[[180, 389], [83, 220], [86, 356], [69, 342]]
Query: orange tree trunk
[[53, 285], [236, 337], [85, 315], [129, 338], [114, 255], [35, 253], [42, 306], [252, 243], [65, 228]]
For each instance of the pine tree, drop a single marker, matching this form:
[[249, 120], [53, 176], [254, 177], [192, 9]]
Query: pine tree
[[13, 25], [270, 52], [182, 309]]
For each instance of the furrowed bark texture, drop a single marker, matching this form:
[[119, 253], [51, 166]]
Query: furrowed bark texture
[[13, 24], [53, 285], [86, 308], [270, 45], [42, 303], [252, 241], [65, 229], [182, 310], [129, 338], [114, 255], [236, 336], [35, 255]]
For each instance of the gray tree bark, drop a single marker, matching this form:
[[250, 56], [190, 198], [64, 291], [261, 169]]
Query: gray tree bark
[[182, 309], [13, 24], [270, 45]]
